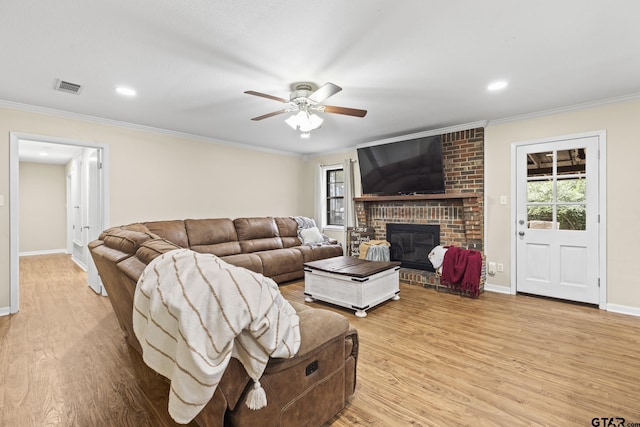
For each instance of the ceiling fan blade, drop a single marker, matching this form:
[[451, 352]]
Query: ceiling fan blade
[[266, 116], [325, 91], [344, 110], [264, 95]]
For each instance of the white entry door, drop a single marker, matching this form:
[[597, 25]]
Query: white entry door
[[557, 250]]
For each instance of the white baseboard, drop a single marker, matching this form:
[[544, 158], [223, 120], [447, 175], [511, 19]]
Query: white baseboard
[[614, 308], [495, 288], [623, 309], [79, 264], [45, 252], [5, 311]]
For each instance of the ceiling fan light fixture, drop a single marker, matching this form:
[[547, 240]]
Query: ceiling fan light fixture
[[305, 100], [304, 121]]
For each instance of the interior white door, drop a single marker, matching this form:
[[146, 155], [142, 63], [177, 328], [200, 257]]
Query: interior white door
[[77, 206], [94, 214], [557, 219]]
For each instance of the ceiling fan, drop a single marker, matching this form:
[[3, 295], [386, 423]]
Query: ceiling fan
[[305, 100]]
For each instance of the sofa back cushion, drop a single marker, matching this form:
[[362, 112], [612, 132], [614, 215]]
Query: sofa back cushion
[[174, 231], [288, 230], [148, 251], [125, 239], [257, 234], [213, 236]]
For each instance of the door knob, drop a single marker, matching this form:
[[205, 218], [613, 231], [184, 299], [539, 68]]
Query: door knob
[[521, 233]]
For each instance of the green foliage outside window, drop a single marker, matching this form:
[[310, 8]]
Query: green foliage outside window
[[570, 198]]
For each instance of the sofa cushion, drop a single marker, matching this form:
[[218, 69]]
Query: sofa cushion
[[249, 261], [280, 261], [314, 253], [125, 240], [288, 230], [174, 231], [213, 236], [148, 251], [257, 234]]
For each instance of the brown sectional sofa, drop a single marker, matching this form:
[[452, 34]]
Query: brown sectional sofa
[[306, 390], [266, 245]]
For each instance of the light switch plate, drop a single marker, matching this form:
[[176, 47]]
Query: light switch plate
[[1, 199]]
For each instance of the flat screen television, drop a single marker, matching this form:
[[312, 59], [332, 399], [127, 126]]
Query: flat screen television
[[412, 166]]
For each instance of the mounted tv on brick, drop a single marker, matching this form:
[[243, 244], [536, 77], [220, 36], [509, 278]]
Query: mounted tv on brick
[[412, 166]]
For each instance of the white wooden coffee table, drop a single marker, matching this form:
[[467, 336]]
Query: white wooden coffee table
[[352, 282]]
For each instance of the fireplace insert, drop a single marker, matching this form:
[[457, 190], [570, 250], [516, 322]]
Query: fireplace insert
[[411, 244]]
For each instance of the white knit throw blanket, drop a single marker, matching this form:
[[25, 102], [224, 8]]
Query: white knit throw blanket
[[193, 311]]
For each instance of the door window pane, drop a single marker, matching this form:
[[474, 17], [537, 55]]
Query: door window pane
[[571, 161], [540, 216], [540, 191], [572, 190], [572, 217], [540, 164], [557, 189]]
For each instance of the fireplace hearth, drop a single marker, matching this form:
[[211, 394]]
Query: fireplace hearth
[[411, 244]]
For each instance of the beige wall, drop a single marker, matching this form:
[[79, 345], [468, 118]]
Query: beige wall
[[42, 207], [622, 125], [158, 176]]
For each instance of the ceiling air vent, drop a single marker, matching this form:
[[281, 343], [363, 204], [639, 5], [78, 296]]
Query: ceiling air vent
[[68, 87]]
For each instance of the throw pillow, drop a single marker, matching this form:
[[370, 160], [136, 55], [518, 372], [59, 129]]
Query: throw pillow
[[311, 235], [303, 224]]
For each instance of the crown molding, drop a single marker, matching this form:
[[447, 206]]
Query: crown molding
[[569, 108], [422, 134], [109, 122], [430, 132]]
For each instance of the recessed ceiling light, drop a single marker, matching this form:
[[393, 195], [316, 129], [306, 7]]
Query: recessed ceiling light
[[125, 91], [497, 85]]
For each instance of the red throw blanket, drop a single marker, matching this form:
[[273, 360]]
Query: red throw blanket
[[461, 270]]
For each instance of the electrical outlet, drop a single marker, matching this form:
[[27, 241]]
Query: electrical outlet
[[500, 267], [492, 268]]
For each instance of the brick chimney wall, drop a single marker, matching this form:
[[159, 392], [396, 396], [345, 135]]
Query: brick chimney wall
[[461, 220]]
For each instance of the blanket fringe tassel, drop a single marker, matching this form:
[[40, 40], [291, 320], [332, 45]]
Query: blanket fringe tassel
[[256, 398]]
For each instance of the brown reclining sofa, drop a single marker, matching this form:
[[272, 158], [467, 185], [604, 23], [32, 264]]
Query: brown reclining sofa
[[306, 390]]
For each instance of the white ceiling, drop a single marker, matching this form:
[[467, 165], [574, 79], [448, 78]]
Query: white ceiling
[[414, 65], [45, 152]]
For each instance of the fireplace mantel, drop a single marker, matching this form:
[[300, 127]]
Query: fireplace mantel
[[415, 197]]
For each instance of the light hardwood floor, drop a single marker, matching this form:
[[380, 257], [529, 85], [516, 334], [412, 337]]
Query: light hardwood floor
[[430, 359]]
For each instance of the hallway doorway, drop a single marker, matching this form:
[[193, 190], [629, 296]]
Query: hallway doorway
[[86, 201]]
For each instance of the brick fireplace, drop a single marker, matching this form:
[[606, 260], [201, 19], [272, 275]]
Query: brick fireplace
[[459, 212]]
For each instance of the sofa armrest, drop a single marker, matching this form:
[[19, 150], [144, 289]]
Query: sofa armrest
[[351, 361], [319, 329]]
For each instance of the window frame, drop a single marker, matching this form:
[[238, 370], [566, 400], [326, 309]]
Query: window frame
[[325, 198]]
